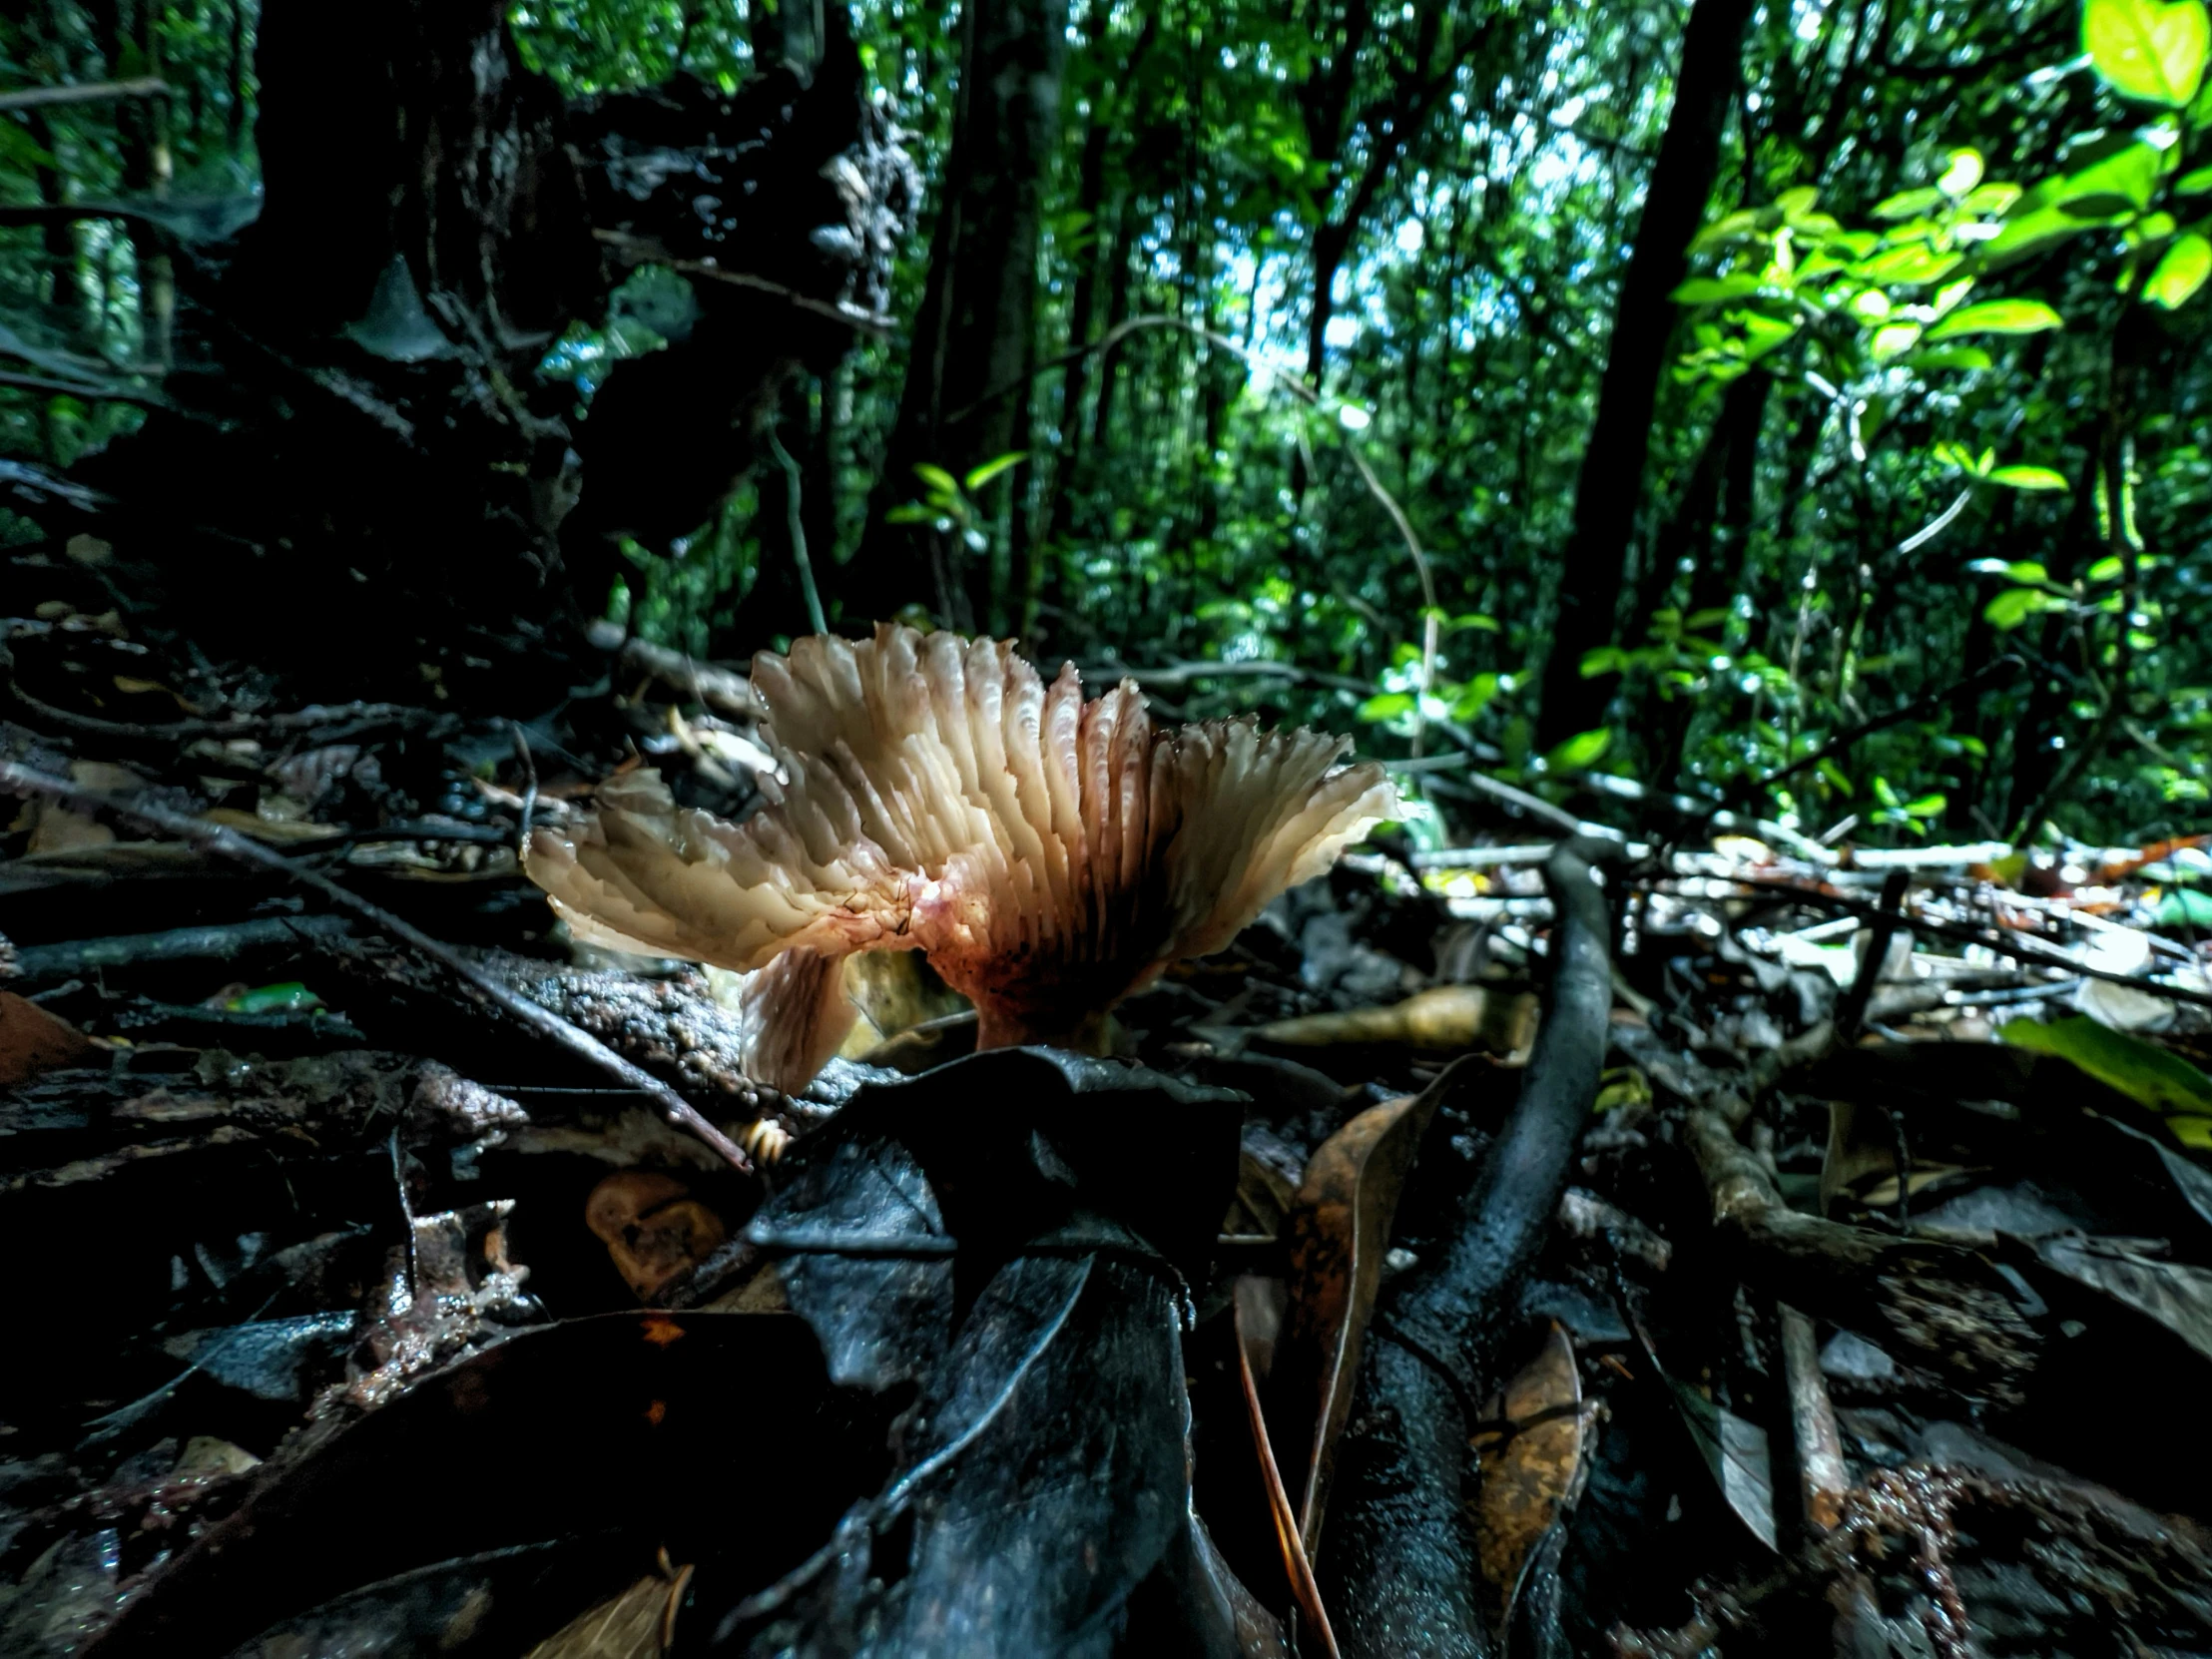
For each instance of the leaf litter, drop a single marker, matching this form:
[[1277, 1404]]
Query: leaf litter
[[1006, 1343]]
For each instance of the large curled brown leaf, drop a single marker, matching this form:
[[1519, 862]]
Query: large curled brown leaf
[[1339, 1229]]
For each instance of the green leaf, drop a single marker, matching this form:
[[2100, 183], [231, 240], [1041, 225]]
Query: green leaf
[[1960, 174], [1998, 316], [2027, 478], [1475, 696], [1909, 203], [938, 478], [1579, 750], [2149, 1075], [2028, 234], [2194, 183], [1712, 291], [2181, 272], [2148, 50], [1893, 337], [913, 512], [2184, 907], [1951, 356], [1916, 263], [1388, 706], [1992, 198], [992, 468], [287, 998], [2011, 608], [1795, 204], [1928, 805], [2114, 184]]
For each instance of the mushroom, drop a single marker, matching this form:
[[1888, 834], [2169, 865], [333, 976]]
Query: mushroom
[[1048, 855]]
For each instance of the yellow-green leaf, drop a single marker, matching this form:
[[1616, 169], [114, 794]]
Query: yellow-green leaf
[[2181, 272], [2146, 1074], [1961, 173], [2027, 478], [2148, 49], [1998, 316]]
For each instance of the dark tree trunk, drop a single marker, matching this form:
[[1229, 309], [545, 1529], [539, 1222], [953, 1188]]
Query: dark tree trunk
[[1090, 199], [379, 442], [1612, 482], [966, 398], [1719, 566]]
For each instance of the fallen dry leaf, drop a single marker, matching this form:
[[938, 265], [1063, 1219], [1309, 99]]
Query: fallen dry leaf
[[1533, 1452], [33, 1040], [652, 1227], [637, 1624], [1340, 1228], [1445, 1017]]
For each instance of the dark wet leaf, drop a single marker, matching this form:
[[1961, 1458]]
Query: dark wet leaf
[[2175, 1295], [928, 1184], [1735, 1449], [268, 1359], [626, 1424], [1045, 1480], [490, 1605]]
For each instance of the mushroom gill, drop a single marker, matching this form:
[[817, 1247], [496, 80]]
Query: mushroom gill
[[1048, 855]]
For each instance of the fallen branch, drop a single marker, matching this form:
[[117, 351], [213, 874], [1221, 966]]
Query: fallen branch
[[1944, 1305], [717, 688], [22, 780], [2019, 949], [316, 716], [41, 963], [92, 91]]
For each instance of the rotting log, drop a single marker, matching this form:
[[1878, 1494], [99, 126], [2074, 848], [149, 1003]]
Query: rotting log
[[1398, 1561]]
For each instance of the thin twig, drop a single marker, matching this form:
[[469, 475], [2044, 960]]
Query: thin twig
[[1850, 1013], [639, 248], [1297, 1566], [798, 530], [92, 91], [312, 718], [22, 780], [2019, 949], [1926, 703], [529, 788], [1823, 1478]]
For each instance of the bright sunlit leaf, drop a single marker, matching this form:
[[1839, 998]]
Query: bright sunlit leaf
[[2148, 49]]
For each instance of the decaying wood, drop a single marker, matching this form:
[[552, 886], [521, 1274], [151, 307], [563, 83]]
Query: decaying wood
[[1943, 1304], [22, 780]]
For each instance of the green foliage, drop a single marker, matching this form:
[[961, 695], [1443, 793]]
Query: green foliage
[[1935, 417], [2147, 1074]]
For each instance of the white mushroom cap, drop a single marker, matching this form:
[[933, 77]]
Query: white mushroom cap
[[1050, 856]]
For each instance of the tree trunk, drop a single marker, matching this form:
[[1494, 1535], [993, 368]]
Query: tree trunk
[[966, 398], [1090, 199], [1611, 486], [380, 443]]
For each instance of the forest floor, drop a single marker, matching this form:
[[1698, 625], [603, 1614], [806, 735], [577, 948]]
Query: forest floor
[[1871, 1315]]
